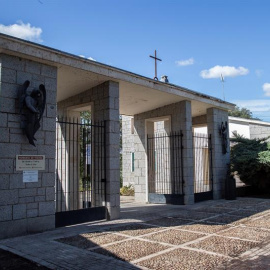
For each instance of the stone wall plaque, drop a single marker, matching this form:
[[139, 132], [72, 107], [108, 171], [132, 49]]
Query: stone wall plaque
[[30, 176], [30, 162]]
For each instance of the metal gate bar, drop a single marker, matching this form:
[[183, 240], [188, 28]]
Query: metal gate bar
[[165, 168], [203, 172], [80, 170]]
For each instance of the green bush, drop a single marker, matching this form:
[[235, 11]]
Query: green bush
[[127, 190], [250, 159]]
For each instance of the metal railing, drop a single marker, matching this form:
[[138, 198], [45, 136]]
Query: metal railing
[[80, 164], [203, 173], [165, 163]]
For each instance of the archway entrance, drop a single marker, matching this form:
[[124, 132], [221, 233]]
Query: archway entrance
[[164, 162], [80, 170]]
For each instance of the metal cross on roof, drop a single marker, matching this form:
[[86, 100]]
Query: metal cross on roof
[[155, 57]]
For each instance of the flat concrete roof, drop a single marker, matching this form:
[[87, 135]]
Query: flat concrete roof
[[249, 121], [137, 93]]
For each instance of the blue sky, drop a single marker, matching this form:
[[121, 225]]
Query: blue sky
[[197, 40]]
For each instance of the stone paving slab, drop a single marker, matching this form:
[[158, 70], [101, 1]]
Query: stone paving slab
[[135, 229], [246, 233], [131, 250], [168, 222], [174, 237], [183, 259], [204, 227], [262, 222], [90, 240], [228, 219], [224, 245], [158, 237]]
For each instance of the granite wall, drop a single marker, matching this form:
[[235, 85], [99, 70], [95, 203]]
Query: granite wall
[[25, 207]]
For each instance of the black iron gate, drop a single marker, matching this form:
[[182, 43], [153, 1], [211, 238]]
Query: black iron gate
[[165, 168], [203, 172], [80, 172]]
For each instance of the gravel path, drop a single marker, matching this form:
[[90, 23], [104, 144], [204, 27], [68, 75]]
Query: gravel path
[[185, 260], [224, 245], [211, 235], [131, 250]]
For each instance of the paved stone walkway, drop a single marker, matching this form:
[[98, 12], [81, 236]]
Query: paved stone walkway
[[209, 235]]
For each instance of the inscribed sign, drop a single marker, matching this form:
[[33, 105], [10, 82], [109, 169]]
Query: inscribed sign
[[30, 162]]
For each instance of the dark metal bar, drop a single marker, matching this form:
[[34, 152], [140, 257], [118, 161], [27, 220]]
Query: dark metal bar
[[56, 167], [80, 184], [104, 162], [65, 137], [61, 166], [211, 161], [69, 169], [73, 172], [182, 165]]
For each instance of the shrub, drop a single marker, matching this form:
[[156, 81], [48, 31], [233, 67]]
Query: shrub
[[127, 190], [250, 159]]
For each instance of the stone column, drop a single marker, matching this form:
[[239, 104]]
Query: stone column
[[182, 120], [220, 161], [150, 170], [106, 107]]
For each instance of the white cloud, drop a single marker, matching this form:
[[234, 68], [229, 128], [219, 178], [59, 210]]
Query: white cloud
[[89, 58], [259, 107], [256, 105], [187, 62], [23, 31], [266, 89], [226, 71]]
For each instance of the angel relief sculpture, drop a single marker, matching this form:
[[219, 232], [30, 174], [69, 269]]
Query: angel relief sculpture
[[224, 135], [32, 106]]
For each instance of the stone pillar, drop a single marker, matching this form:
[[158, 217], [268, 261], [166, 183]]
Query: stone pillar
[[127, 150], [26, 207], [220, 161], [104, 100], [150, 174], [106, 107], [182, 120]]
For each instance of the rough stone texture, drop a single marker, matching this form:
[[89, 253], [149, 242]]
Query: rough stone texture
[[131, 249], [183, 259], [45, 249], [179, 114], [259, 131], [5, 213], [220, 161], [90, 240], [15, 196], [174, 237], [127, 150], [104, 101], [223, 245]]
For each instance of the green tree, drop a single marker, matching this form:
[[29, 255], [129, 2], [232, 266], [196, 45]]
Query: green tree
[[242, 113], [250, 159]]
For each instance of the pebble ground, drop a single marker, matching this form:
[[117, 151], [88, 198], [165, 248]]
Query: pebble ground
[[209, 235]]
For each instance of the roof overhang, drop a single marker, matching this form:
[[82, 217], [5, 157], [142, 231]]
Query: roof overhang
[[137, 93]]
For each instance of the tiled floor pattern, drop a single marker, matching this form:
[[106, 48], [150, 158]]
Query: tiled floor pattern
[[206, 237]]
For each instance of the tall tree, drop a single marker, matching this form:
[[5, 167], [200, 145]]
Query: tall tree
[[242, 113]]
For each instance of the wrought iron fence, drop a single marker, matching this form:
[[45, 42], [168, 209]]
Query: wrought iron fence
[[165, 164], [203, 175], [80, 164]]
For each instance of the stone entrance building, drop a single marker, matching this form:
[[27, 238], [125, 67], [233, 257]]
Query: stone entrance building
[[74, 84]]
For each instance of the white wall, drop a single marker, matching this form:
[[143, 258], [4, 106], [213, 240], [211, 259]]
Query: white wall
[[241, 129]]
